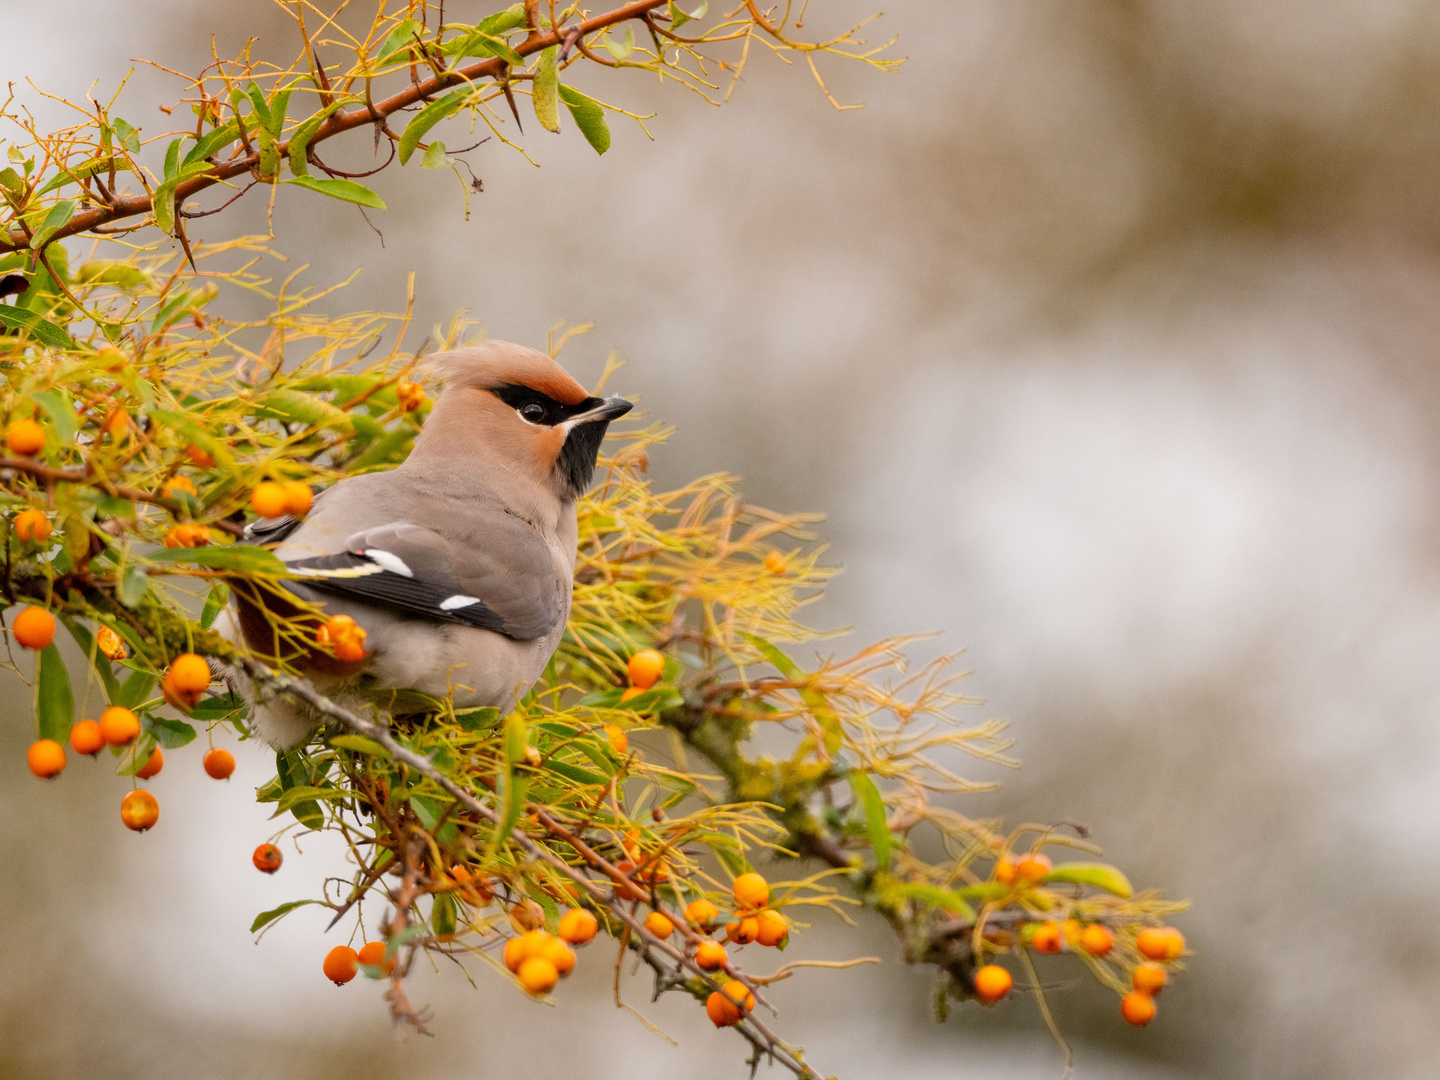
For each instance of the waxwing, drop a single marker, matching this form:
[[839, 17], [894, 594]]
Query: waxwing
[[458, 564]]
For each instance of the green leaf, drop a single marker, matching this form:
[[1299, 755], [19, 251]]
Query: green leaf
[[135, 690], [59, 406], [129, 136], [98, 661], [825, 716], [292, 798], [172, 159], [543, 91], [427, 810], [257, 98], [516, 738], [344, 190], [300, 139], [575, 773], [10, 180], [134, 583], [267, 917], [1096, 875], [932, 894], [679, 18], [481, 719], [502, 22], [241, 558], [868, 796], [59, 215], [514, 792], [620, 50], [296, 408], [170, 734], [435, 157], [589, 117], [442, 914], [401, 40], [360, 744], [43, 330], [54, 703], [220, 707], [215, 602], [209, 144], [427, 118], [164, 204], [113, 272]]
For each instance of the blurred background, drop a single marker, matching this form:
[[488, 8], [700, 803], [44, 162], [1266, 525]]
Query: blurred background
[[1104, 334]]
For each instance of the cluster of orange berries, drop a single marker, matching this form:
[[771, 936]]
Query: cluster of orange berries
[[342, 962], [184, 682], [754, 922], [1159, 946], [343, 636], [273, 500]]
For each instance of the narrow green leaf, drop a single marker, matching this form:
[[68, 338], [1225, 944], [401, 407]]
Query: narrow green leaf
[[10, 180], [278, 106], [296, 408], [300, 139], [575, 773], [514, 791], [172, 159], [516, 738], [481, 719], [1096, 875], [242, 558], [589, 117], [543, 91], [98, 661], [43, 330], [60, 407], [54, 703], [427, 118], [442, 914], [932, 894], [267, 917], [135, 690], [360, 744], [219, 707], [400, 44], [215, 602], [59, 215], [497, 25], [344, 190], [222, 136], [427, 810], [291, 798], [868, 796], [257, 98]]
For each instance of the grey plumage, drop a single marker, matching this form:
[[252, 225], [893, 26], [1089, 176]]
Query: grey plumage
[[459, 563]]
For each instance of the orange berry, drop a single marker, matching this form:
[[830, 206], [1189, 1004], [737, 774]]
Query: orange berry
[[630, 891], [86, 738], [630, 692], [199, 457], [268, 499], [1005, 871], [25, 437], [186, 681], [219, 764], [34, 628], [616, 736], [155, 763], [32, 526], [1097, 940], [267, 858], [721, 1010], [117, 423], [514, 954], [1164, 943], [298, 498], [1046, 938], [46, 758], [119, 725], [109, 643], [775, 563], [743, 931], [739, 994], [1149, 977], [710, 956], [992, 982], [538, 975], [139, 810], [372, 954], [559, 954], [701, 913], [645, 668], [751, 890], [179, 536], [340, 964], [1137, 1008], [659, 924], [410, 395], [177, 484], [578, 926], [1032, 868], [772, 930]]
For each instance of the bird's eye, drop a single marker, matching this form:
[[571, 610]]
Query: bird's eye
[[534, 412]]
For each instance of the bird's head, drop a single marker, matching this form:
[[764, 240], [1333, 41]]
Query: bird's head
[[516, 408]]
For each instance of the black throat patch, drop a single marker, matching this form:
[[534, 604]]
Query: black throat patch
[[576, 464]]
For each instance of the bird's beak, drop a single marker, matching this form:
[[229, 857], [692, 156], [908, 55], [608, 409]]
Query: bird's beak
[[607, 410]]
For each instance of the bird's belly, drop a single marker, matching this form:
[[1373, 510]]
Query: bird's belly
[[478, 667]]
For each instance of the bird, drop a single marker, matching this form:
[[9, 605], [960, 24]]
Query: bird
[[459, 563]]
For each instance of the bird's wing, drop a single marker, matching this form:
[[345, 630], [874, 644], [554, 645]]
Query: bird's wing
[[508, 583]]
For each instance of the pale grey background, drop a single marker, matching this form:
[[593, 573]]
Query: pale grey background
[[1105, 336]]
